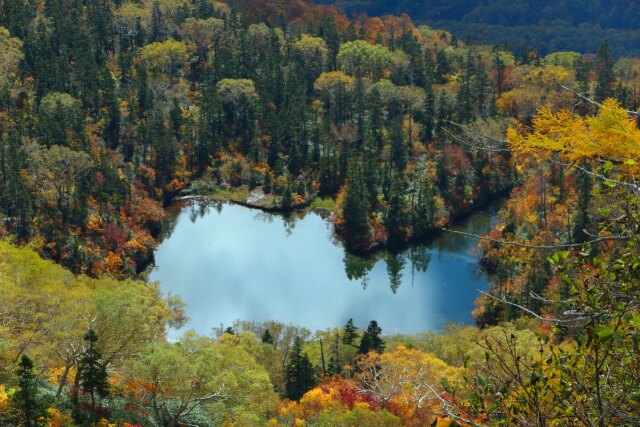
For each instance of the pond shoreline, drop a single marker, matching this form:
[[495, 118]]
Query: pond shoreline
[[231, 262], [324, 213]]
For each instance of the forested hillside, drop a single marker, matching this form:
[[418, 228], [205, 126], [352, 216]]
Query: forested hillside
[[109, 110], [544, 25]]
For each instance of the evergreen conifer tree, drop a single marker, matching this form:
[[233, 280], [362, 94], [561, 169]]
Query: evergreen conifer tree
[[371, 340], [25, 399], [267, 338], [92, 371], [300, 373], [429, 112], [604, 66], [350, 333], [356, 210]]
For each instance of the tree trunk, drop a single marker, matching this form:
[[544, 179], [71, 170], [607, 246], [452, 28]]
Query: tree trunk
[[63, 381]]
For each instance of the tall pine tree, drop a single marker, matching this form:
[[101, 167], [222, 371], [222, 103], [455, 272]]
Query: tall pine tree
[[371, 340], [25, 399], [300, 373], [604, 67], [356, 211], [350, 333], [429, 112], [92, 371]]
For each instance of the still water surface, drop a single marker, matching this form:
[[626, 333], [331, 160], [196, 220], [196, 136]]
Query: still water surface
[[228, 262]]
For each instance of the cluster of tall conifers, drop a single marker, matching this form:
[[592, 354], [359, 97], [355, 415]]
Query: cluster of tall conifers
[[301, 376], [29, 402], [111, 108], [113, 104]]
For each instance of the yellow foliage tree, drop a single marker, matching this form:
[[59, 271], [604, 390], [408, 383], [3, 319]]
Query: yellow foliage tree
[[165, 57], [407, 380], [611, 135]]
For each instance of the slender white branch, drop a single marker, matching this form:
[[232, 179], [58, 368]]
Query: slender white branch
[[591, 101], [477, 147], [631, 185], [529, 246], [539, 298], [532, 313], [500, 141], [447, 408]]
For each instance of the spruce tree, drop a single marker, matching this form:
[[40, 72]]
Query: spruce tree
[[350, 333], [25, 399], [499, 68], [464, 101], [399, 155], [158, 26], [582, 218], [604, 66], [394, 219], [376, 119], [356, 210], [582, 68], [443, 112], [429, 113], [92, 371], [365, 344], [267, 338], [371, 340], [300, 373]]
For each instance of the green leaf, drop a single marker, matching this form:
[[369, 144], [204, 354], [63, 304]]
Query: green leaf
[[482, 380], [446, 385], [605, 334]]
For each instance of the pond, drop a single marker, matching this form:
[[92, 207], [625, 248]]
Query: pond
[[229, 263]]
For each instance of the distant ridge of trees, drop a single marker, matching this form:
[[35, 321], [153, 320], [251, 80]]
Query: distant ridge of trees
[[548, 25]]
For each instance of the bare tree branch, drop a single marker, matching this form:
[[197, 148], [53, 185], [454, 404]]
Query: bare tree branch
[[532, 313], [466, 129], [461, 141], [528, 246], [591, 101], [447, 408], [631, 185], [540, 298]]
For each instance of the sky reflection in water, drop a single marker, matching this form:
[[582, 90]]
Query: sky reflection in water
[[228, 262]]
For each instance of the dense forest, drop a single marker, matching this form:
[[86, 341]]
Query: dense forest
[[544, 25], [109, 110]]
